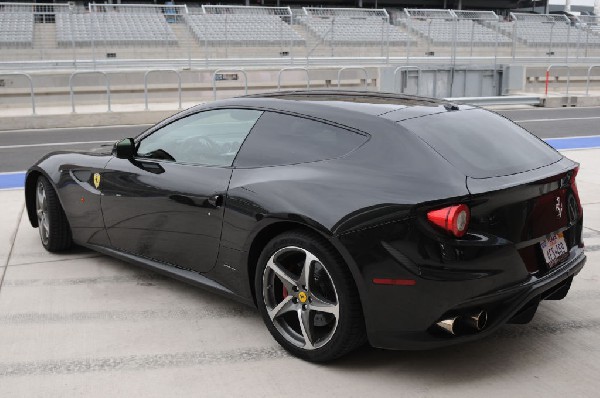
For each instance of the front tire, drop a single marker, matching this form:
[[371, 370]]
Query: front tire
[[307, 297], [53, 226]]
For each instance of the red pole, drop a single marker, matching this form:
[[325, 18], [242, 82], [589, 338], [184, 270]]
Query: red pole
[[547, 77]]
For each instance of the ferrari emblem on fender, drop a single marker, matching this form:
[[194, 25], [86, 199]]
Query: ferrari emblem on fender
[[302, 297], [559, 207], [96, 180]]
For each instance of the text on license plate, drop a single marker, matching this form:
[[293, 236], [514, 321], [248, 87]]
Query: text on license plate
[[554, 249]]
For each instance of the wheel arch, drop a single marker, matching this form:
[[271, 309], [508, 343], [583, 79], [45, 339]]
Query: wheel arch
[[264, 236], [30, 181]]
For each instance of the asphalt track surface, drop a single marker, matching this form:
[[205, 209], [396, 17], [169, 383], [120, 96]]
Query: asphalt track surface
[[20, 149]]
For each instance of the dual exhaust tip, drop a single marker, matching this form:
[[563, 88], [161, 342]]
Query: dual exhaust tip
[[461, 324]]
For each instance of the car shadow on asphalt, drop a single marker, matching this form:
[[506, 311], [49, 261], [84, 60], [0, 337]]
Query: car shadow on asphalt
[[512, 349]]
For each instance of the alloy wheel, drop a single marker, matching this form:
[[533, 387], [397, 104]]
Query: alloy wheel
[[300, 298], [41, 206]]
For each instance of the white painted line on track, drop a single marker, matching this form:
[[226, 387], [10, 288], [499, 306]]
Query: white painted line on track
[[557, 119], [578, 149], [54, 144], [13, 172], [81, 128], [538, 109], [571, 137]]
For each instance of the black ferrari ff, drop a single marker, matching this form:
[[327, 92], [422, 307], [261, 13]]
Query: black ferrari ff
[[345, 217]]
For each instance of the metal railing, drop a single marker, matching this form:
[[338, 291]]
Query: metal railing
[[293, 69], [407, 68], [346, 68], [156, 71], [30, 80], [97, 72], [587, 81], [568, 67], [324, 73], [214, 80]]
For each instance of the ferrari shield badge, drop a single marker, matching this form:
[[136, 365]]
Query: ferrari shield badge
[[96, 180], [302, 297]]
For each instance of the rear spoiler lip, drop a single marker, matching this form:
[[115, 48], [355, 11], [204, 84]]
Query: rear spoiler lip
[[477, 186]]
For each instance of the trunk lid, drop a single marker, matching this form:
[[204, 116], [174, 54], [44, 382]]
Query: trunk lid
[[528, 208]]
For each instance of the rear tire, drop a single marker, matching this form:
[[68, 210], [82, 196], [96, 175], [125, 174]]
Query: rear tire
[[307, 297], [53, 226]]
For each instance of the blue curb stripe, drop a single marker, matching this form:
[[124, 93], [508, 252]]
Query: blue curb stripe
[[592, 141], [12, 180], [17, 180]]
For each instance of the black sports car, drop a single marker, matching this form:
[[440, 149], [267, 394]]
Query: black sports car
[[343, 216]]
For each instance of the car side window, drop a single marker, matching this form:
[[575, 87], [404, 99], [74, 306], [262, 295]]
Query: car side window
[[279, 139], [208, 138]]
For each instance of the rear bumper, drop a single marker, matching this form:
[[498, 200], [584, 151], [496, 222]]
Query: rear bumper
[[502, 304]]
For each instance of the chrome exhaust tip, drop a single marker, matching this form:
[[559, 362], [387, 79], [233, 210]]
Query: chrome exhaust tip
[[461, 324], [449, 325], [477, 321]]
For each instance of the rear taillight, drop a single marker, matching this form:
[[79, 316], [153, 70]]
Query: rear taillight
[[576, 191], [453, 219]]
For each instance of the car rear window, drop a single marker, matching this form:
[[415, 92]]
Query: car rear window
[[482, 144]]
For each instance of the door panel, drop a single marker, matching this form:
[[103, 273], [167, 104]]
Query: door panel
[[165, 211], [166, 203]]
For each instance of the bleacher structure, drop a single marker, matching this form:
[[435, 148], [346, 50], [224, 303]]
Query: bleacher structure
[[347, 26], [546, 30], [38, 31], [445, 27], [590, 23], [239, 25], [116, 25], [16, 25]]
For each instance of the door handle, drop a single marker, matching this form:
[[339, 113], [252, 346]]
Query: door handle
[[216, 200]]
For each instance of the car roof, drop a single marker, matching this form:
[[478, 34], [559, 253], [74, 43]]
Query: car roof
[[351, 108]]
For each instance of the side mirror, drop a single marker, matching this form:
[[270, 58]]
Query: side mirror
[[124, 149]]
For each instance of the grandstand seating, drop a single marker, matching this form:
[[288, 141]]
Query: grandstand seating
[[147, 25], [537, 33], [113, 28], [441, 32], [16, 29], [594, 28], [353, 30], [242, 29]]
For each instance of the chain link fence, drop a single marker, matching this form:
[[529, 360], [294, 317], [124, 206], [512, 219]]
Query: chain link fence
[[346, 32], [555, 37], [455, 34], [245, 32]]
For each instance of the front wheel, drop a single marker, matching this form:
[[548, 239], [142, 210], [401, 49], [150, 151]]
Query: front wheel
[[307, 298]]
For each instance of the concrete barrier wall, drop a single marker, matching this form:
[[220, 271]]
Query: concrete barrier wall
[[54, 107], [52, 88]]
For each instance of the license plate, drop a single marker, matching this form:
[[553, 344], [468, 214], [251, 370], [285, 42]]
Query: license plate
[[554, 249]]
